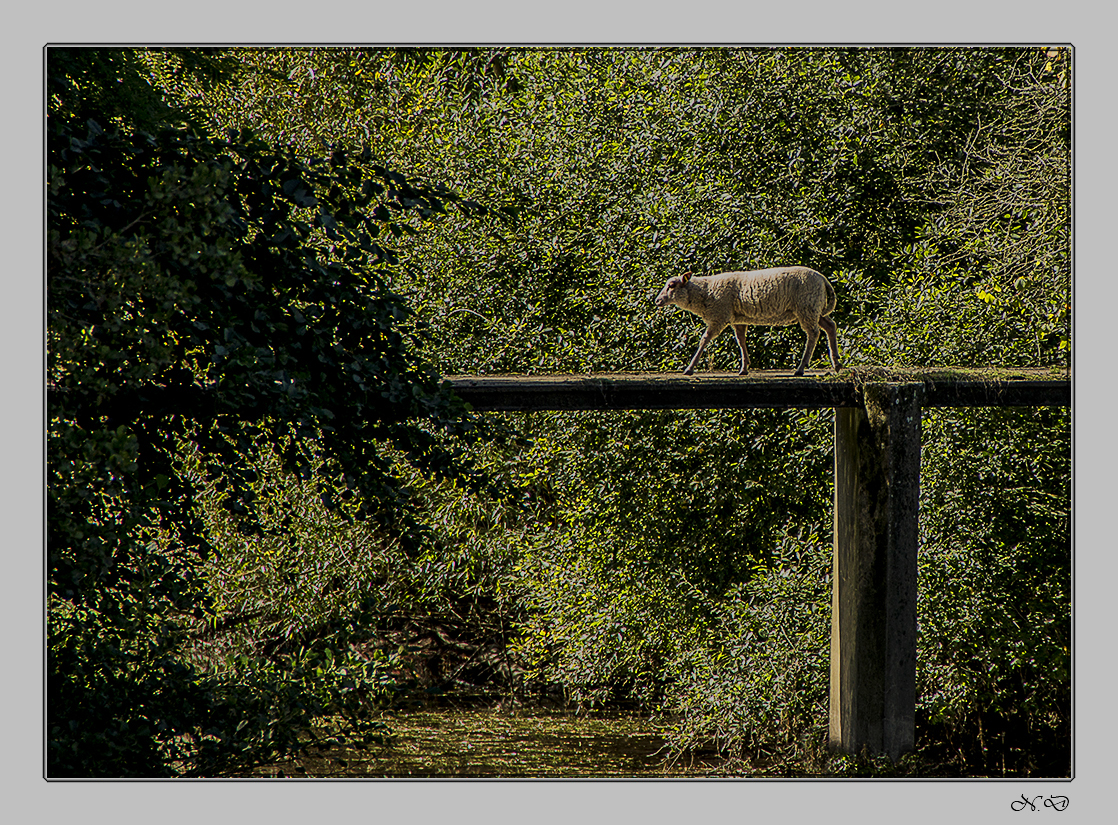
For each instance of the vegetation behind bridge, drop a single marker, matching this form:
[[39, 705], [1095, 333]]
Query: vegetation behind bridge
[[260, 260]]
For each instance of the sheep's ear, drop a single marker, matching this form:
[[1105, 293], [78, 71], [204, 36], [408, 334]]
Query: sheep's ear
[[686, 277]]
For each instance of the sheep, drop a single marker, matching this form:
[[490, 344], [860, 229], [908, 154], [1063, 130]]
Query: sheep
[[770, 297]]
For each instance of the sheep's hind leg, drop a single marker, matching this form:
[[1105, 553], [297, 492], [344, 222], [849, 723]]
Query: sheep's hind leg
[[831, 329], [739, 333], [809, 347]]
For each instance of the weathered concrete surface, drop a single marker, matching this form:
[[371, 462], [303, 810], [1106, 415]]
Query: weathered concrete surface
[[873, 616], [619, 391]]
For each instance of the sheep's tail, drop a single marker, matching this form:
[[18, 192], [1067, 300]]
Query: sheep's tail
[[832, 300]]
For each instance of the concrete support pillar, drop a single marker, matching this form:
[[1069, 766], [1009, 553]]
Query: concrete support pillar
[[873, 615]]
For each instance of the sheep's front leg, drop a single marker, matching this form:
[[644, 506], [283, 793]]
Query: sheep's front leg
[[739, 333], [708, 336]]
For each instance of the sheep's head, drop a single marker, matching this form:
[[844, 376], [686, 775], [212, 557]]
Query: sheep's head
[[672, 289]]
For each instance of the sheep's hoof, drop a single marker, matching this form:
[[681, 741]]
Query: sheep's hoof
[[799, 373], [688, 372]]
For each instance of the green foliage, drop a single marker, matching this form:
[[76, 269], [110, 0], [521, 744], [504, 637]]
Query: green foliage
[[297, 568], [757, 691], [646, 534], [219, 292], [673, 559], [995, 587]]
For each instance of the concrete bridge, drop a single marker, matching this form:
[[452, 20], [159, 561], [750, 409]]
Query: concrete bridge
[[876, 494]]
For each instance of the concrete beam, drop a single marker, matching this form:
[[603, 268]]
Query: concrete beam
[[664, 391]]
